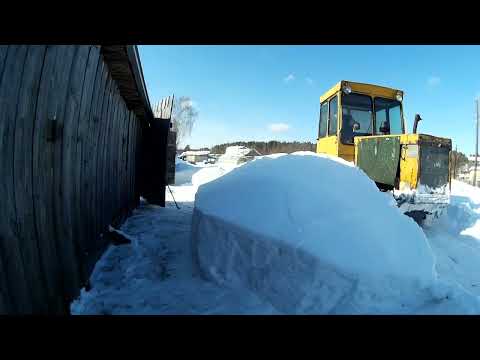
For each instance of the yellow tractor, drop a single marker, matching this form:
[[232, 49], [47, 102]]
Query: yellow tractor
[[364, 124]]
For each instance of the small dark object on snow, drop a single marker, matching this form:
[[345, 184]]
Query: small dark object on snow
[[418, 216], [117, 239]]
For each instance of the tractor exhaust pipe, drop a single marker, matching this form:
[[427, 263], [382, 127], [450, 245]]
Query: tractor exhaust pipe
[[415, 123]]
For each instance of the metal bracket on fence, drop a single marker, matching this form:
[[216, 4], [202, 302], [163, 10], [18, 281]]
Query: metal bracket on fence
[[52, 129]]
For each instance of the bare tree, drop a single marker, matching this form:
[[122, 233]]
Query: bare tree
[[184, 116]]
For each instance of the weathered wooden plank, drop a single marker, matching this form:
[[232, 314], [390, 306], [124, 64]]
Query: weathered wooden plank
[[3, 58], [142, 134], [82, 140], [12, 260], [22, 171], [123, 194], [118, 158], [43, 177], [123, 143], [68, 249], [129, 163], [117, 169], [138, 164], [134, 161], [116, 135], [89, 156], [138, 152], [5, 302], [70, 158], [104, 167], [132, 156], [111, 179], [101, 155], [125, 167], [99, 150]]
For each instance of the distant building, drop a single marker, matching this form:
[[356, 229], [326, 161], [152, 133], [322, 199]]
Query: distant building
[[471, 176], [466, 174], [195, 156]]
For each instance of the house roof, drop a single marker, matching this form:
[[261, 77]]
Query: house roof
[[123, 61], [197, 152]]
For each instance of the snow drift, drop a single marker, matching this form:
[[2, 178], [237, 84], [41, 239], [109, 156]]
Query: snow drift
[[208, 174], [312, 234], [184, 172]]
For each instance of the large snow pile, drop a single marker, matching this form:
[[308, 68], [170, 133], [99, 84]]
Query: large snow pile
[[312, 234], [208, 174], [211, 173], [153, 275]]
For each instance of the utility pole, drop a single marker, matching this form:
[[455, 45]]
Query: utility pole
[[455, 163], [476, 146]]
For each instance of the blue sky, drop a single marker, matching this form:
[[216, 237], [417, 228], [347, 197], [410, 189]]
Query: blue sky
[[272, 92]]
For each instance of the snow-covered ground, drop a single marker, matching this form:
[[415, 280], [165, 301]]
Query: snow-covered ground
[[455, 240], [155, 274]]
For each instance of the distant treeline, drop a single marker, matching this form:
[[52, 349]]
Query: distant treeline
[[267, 148]]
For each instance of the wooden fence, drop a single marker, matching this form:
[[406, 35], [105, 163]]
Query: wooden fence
[[69, 155]]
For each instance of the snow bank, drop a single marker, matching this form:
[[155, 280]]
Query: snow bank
[[184, 171], [208, 174], [211, 173], [312, 234]]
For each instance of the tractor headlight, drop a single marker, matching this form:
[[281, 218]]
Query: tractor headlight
[[399, 96], [347, 89]]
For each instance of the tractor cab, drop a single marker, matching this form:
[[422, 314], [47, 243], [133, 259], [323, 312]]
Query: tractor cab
[[364, 124], [352, 109]]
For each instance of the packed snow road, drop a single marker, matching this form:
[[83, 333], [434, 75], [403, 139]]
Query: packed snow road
[[156, 273], [153, 275]]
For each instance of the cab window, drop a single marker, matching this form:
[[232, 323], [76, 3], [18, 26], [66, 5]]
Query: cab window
[[333, 116], [388, 117], [322, 127], [357, 116]]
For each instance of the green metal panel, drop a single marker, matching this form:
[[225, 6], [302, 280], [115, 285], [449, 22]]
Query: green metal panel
[[434, 165], [379, 158]]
